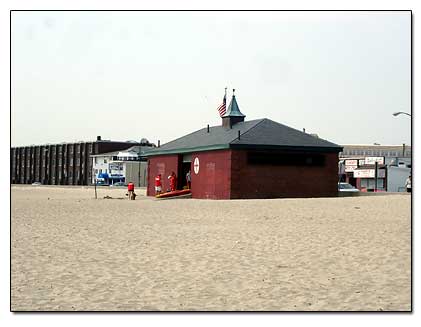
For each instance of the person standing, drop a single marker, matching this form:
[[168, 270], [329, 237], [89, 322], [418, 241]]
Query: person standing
[[173, 181], [158, 185], [188, 179], [130, 189], [408, 184]]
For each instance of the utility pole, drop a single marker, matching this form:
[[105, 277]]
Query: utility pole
[[138, 158], [376, 165]]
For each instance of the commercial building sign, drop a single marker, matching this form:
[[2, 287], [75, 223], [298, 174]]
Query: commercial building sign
[[373, 160], [115, 166], [369, 173], [351, 165]]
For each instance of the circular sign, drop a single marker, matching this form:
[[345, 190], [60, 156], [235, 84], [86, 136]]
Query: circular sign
[[196, 165]]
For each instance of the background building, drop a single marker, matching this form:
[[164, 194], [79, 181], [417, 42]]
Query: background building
[[121, 166], [248, 159], [356, 166], [59, 164], [393, 154]]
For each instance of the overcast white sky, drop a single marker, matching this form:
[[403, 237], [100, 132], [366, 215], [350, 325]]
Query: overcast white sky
[[161, 75]]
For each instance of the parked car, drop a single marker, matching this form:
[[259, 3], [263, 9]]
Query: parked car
[[36, 183], [101, 183], [118, 184], [346, 187]]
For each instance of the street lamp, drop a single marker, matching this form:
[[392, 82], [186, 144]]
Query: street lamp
[[401, 112]]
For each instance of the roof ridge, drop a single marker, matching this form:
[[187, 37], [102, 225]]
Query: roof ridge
[[184, 136], [308, 134], [261, 120]]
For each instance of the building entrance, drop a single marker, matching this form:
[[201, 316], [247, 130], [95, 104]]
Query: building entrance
[[184, 168]]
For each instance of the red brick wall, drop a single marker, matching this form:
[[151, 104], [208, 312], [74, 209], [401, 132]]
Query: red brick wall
[[161, 165], [213, 179], [263, 181]]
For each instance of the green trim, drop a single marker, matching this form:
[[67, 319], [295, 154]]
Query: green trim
[[187, 150]]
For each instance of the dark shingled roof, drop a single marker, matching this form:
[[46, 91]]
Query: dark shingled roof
[[260, 134]]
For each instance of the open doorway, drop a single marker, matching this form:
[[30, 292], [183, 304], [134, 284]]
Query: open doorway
[[183, 168]]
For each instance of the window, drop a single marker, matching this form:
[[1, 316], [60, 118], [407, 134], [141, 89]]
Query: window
[[105, 160], [96, 160], [77, 161], [71, 161]]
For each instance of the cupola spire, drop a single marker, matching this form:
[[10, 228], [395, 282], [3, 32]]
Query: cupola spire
[[233, 114]]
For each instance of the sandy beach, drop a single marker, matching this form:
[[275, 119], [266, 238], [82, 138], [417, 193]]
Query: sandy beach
[[72, 252]]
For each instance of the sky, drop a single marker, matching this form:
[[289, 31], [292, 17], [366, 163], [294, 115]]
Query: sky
[[161, 75]]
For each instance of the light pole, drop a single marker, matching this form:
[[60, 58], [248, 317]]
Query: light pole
[[401, 112], [397, 114]]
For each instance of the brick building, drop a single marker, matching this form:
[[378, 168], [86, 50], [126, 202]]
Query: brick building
[[248, 159], [58, 164]]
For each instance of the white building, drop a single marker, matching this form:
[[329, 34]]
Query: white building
[[120, 166]]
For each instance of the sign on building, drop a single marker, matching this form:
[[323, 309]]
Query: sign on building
[[373, 160], [369, 173], [196, 165], [115, 166], [351, 165]]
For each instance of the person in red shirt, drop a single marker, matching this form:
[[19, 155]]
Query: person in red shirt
[[158, 184], [130, 189], [173, 181]]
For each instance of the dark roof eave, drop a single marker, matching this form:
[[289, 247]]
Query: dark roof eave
[[187, 150], [287, 147], [244, 147]]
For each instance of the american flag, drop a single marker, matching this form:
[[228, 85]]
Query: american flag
[[223, 107]]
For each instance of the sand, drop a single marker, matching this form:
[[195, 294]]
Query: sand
[[72, 252]]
